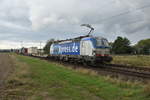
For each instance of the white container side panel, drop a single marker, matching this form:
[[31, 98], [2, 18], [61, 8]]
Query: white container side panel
[[32, 50], [86, 48]]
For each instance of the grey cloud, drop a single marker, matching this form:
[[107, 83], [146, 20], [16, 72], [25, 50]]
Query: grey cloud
[[39, 20]]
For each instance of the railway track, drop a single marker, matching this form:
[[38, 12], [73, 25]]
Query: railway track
[[138, 72]]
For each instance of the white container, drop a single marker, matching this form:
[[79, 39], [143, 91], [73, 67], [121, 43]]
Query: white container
[[32, 50]]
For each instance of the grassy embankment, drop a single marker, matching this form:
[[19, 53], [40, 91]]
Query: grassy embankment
[[133, 60], [42, 80]]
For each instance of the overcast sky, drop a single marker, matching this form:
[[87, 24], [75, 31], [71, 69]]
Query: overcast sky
[[32, 21]]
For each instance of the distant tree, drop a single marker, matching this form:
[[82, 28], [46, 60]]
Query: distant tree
[[111, 44], [47, 46], [121, 46], [143, 46]]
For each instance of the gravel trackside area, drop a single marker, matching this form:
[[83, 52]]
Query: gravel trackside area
[[6, 66]]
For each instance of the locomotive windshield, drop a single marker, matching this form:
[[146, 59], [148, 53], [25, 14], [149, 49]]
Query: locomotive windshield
[[102, 42]]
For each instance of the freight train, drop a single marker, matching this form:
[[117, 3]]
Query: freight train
[[27, 51], [85, 49]]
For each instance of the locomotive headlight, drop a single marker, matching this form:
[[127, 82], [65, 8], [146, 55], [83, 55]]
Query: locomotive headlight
[[94, 52]]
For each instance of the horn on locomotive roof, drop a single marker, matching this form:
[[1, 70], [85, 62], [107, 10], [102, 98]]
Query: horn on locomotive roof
[[89, 26]]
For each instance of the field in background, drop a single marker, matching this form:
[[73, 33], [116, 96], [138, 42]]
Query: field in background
[[35, 79], [133, 60]]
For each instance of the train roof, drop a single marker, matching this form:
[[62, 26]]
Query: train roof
[[76, 39], [72, 39]]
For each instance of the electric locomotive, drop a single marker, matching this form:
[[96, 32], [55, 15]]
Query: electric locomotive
[[84, 49]]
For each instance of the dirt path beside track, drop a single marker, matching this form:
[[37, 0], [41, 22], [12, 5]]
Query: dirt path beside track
[[6, 66]]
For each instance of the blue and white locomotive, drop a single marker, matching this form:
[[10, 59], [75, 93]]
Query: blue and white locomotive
[[86, 49]]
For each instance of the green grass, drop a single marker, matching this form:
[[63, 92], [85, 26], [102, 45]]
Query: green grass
[[134, 60], [42, 80]]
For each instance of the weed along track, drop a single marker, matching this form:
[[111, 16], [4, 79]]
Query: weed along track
[[129, 72], [145, 69], [139, 72]]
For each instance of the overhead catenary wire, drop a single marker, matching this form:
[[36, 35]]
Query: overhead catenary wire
[[124, 13]]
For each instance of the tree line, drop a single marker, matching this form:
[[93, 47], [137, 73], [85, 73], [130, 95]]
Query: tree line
[[121, 45]]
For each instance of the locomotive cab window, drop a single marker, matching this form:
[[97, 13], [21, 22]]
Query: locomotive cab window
[[102, 42], [105, 42]]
